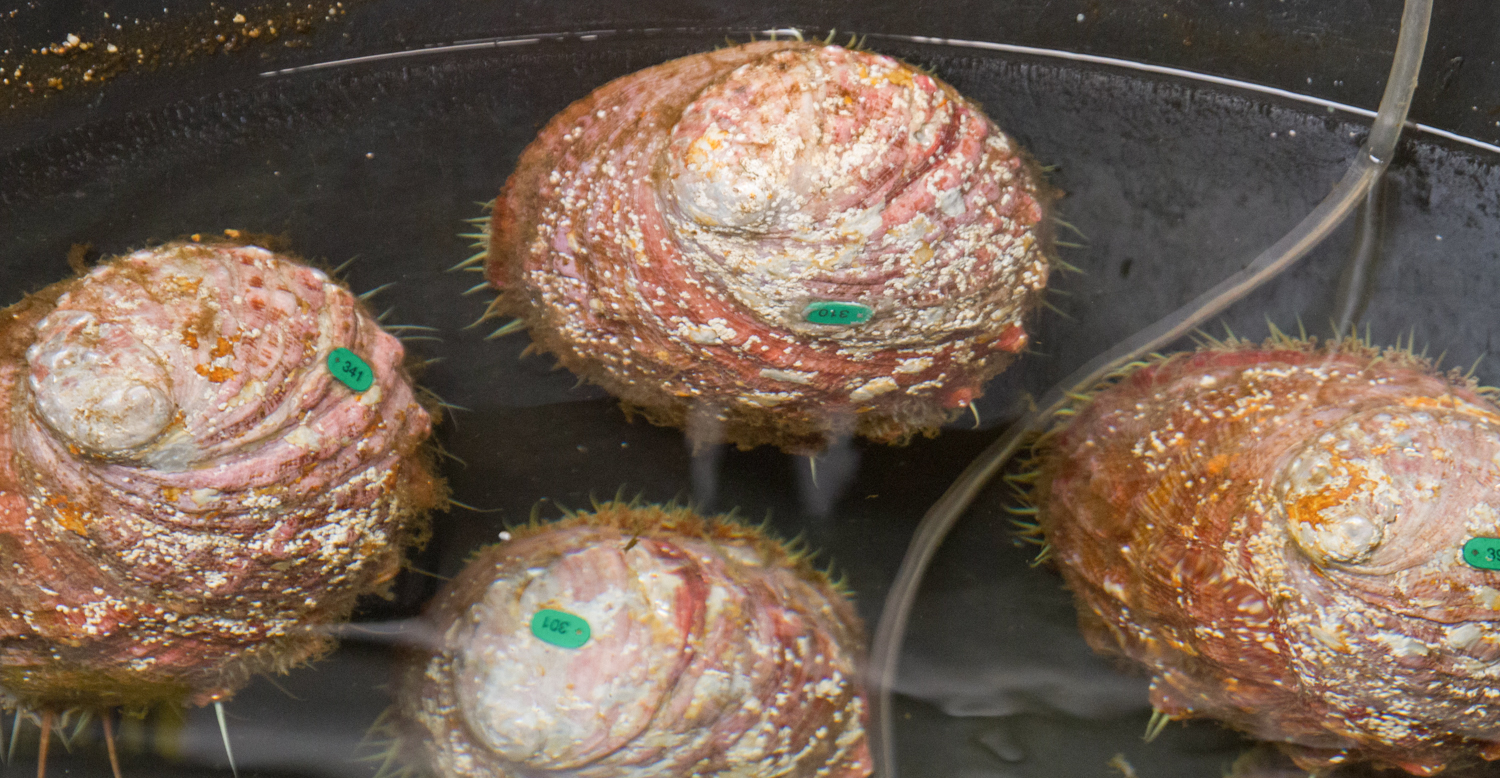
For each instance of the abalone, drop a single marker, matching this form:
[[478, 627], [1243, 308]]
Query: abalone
[[639, 640], [1288, 539], [189, 491], [777, 243]]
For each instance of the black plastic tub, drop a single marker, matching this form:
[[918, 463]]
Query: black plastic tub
[[371, 130]]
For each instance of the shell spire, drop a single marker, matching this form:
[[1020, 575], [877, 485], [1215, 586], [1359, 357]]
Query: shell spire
[[186, 489], [1285, 537], [802, 241]]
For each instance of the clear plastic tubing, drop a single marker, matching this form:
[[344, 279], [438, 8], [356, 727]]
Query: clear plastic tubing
[[1323, 220]]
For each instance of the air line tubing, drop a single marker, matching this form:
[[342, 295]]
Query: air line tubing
[[1316, 226]]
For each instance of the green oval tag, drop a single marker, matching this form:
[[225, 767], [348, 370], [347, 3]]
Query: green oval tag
[[1483, 553], [560, 629], [350, 370], [836, 313]]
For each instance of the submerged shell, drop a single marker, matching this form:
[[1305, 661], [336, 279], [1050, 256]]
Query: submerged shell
[[705, 238], [712, 651], [185, 490], [1278, 536]]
